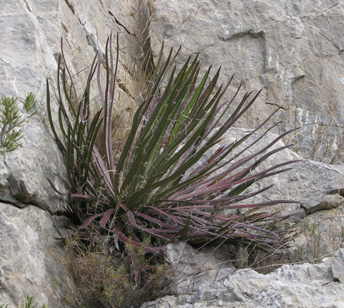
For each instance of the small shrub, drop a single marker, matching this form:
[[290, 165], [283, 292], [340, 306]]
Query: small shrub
[[101, 279], [11, 121], [159, 190]]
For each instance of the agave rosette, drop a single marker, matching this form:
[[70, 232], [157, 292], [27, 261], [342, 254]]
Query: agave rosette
[[160, 188]]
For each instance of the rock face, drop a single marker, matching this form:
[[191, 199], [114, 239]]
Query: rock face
[[29, 254], [30, 36], [291, 49], [321, 233], [290, 286], [338, 266], [193, 267]]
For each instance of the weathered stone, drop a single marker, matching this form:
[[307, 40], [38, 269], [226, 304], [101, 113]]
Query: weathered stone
[[193, 267], [320, 234], [290, 286], [291, 49], [308, 183], [28, 258], [31, 35], [338, 265], [329, 202]]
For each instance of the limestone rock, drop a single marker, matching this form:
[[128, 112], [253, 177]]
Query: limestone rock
[[28, 258], [193, 267], [329, 202], [291, 49], [320, 234], [290, 286], [308, 183], [338, 265], [31, 32], [31, 36]]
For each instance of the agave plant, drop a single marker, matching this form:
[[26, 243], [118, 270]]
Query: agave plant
[[160, 189]]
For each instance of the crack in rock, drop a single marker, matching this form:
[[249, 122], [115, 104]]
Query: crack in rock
[[27, 6], [71, 7], [19, 192], [120, 24]]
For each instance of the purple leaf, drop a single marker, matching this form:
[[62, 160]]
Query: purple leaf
[[106, 217]]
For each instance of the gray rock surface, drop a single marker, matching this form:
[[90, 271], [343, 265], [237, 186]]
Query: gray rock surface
[[193, 267], [29, 256], [329, 202], [307, 183], [291, 286], [320, 234], [338, 266], [291, 49], [31, 32], [31, 35]]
